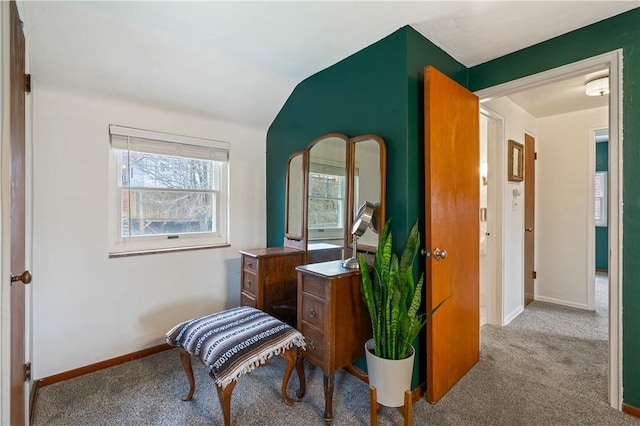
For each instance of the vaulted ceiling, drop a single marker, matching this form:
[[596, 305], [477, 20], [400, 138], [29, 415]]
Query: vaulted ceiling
[[240, 60]]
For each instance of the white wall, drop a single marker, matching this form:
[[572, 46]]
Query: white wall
[[564, 212], [87, 307], [517, 122]]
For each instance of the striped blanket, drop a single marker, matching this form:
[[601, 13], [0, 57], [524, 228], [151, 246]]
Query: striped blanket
[[234, 342]]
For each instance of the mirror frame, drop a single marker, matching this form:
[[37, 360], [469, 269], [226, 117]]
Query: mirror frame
[[307, 168], [301, 242], [352, 208], [287, 234]]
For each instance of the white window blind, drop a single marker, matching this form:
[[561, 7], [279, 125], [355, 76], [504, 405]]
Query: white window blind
[[600, 193], [127, 138]]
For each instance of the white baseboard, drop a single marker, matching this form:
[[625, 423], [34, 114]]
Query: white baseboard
[[508, 318], [563, 303]]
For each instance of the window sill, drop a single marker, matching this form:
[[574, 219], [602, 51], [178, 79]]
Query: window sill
[[167, 250]]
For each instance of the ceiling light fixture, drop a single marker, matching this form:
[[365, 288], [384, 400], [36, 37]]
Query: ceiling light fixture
[[597, 87]]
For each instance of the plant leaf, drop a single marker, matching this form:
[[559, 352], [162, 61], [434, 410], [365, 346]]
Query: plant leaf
[[366, 290], [392, 296]]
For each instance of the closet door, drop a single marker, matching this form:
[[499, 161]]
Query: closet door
[[452, 207]]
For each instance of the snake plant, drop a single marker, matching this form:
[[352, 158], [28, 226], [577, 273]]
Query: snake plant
[[392, 297]]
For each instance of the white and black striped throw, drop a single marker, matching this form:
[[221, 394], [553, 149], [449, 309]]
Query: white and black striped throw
[[234, 342]]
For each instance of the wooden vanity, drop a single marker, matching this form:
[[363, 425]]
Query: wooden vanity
[[333, 319], [268, 280]]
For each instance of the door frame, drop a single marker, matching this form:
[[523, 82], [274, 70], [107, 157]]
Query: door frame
[[612, 60], [5, 191], [496, 174], [591, 222]]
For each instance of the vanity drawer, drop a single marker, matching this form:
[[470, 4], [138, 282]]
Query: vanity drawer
[[313, 312], [315, 344], [247, 300], [313, 285], [249, 282], [249, 263]]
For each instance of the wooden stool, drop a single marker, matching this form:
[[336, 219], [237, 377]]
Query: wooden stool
[[234, 342], [374, 406]]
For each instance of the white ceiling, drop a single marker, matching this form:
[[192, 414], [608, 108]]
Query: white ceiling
[[240, 60], [560, 97]]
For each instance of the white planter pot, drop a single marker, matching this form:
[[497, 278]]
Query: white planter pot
[[390, 377]]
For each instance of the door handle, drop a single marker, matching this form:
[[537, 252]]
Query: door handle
[[25, 277], [439, 254], [529, 229]]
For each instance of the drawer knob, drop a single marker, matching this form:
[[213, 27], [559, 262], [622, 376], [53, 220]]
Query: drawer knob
[[312, 313], [249, 283], [312, 344], [249, 265]]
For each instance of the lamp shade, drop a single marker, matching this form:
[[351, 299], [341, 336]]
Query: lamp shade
[[597, 87]]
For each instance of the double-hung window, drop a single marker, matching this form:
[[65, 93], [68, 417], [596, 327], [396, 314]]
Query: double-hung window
[[326, 201], [600, 193], [166, 192]]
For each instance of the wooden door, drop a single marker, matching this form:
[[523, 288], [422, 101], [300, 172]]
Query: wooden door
[[529, 210], [17, 220], [452, 195]]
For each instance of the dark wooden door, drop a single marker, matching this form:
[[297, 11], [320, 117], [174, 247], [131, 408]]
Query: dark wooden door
[[529, 211], [17, 220], [452, 194]]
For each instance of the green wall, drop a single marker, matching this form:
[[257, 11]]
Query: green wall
[[619, 32], [602, 232], [364, 93], [377, 90]]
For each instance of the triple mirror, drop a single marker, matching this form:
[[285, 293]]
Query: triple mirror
[[326, 184]]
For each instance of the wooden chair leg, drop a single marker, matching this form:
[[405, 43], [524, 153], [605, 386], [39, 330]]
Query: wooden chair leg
[[301, 377], [407, 409], [291, 356], [224, 395], [185, 357], [373, 406]]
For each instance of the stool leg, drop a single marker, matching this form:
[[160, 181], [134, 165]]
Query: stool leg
[[373, 406], [185, 357], [290, 355], [301, 377], [224, 395]]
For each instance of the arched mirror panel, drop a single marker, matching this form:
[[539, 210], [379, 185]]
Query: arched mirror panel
[[327, 197], [369, 167], [294, 218]]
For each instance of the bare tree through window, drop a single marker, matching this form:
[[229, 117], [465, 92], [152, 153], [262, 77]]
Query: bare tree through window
[[164, 194]]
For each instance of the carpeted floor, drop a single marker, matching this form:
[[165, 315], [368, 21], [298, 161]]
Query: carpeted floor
[[548, 367]]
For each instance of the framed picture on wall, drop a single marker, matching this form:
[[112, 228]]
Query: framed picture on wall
[[515, 161]]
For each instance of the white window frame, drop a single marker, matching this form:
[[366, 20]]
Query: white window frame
[[127, 138], [602, 198]]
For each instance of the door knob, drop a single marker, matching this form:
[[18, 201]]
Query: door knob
[[439, 254], [529, 229], [25, 277]]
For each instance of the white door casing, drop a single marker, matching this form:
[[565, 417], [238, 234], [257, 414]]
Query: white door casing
[[612, 61]]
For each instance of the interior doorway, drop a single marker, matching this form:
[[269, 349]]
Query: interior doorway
[[612, 63], [491, 135]]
